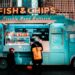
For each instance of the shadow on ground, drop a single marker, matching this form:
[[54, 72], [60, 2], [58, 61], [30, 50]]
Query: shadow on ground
[[46, 70]]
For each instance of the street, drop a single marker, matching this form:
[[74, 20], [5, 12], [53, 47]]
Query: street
[[45, 71]]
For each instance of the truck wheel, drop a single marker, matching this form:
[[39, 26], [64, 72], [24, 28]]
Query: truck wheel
[[74, 63], [3, 64]]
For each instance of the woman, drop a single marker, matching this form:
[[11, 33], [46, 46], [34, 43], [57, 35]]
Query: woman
[[11, 62], [37, 49]]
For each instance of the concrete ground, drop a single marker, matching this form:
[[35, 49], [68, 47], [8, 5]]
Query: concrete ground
[[53, 70]]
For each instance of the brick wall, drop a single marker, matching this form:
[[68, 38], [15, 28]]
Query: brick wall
[[65, 7]]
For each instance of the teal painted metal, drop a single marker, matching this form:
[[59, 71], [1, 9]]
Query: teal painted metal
[[1, 38], [58, 45], [26, 3], [71, 44], [61, 46], [58, 49]]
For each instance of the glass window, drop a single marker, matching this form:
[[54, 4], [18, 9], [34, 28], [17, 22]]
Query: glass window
[[26, 3], [22, 3], [17, 38], [56, 30], [14, 3], [42, 33], [19, 3], [72, 38]]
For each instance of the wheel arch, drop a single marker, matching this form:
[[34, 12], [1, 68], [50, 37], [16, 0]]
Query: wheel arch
[[72, 59]]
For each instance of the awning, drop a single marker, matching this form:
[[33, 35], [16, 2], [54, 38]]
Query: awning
[[27, 21]]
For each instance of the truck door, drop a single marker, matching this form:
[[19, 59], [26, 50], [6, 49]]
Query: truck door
[[72, 46], [57, 39]]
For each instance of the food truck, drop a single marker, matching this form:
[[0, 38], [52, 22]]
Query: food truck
[[54, 31]]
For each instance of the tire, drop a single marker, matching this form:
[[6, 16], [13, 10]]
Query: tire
[[3, 64], [73, 63]]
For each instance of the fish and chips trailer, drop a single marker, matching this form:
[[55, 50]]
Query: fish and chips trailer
[[55, 32]]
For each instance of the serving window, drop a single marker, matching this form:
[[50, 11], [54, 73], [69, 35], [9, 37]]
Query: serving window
[[16, 38]]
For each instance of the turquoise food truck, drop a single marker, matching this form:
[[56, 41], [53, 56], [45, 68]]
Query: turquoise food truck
[[55, 32]]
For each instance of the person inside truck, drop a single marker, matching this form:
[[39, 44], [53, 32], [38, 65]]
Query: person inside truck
[[37, 59]]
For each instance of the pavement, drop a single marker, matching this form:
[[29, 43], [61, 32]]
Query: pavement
[[53, 70]]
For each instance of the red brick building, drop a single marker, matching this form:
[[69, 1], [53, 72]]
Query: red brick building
[[65, 7]]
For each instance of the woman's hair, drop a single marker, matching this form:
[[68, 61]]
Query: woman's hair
[[37, 44], [11, 50]]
